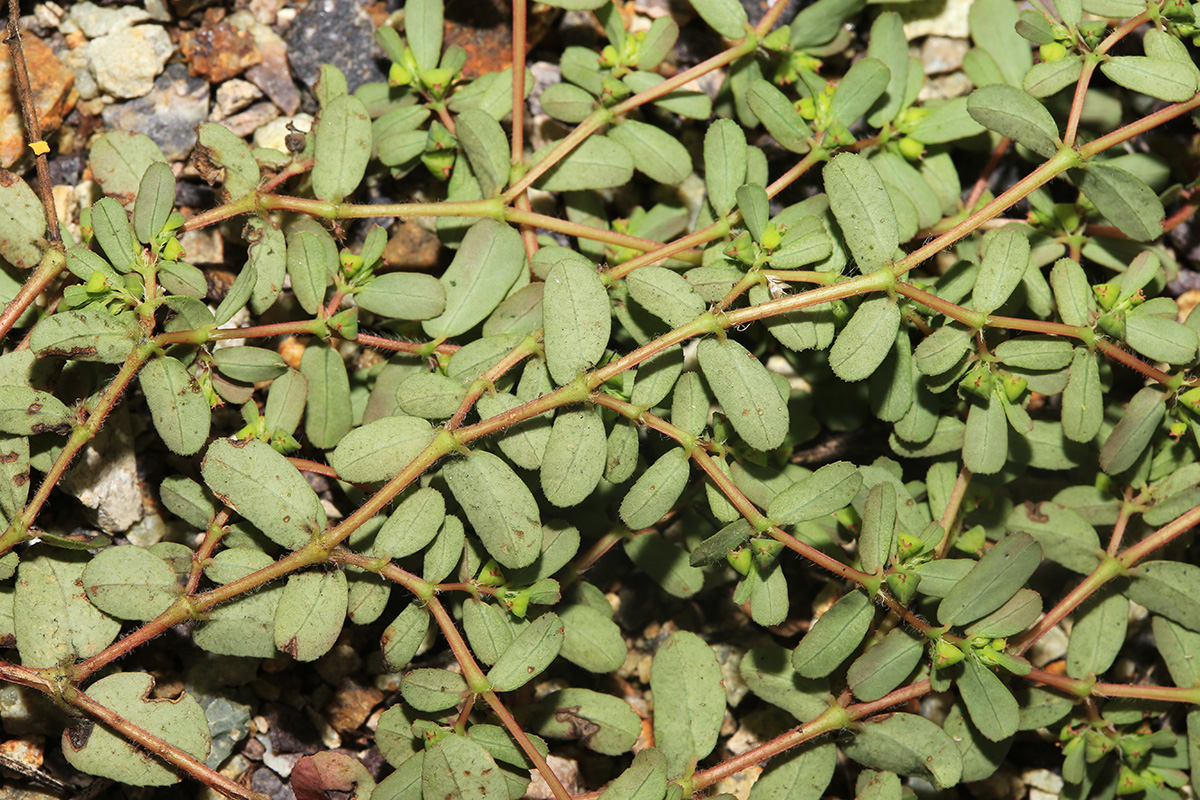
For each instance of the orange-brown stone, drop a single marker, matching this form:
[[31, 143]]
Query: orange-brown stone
[[51, 83], [219, 51]]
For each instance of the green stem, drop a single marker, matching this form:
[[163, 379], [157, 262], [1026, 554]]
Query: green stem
[[590, 232]]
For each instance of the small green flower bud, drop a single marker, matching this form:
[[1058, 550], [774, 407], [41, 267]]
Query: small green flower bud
[[911, 149], [1053, 51], [741, 560]]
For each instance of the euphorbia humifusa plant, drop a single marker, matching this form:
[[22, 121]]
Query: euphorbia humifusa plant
[[644, 385]]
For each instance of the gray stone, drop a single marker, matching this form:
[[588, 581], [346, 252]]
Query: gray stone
[[125, 63], [95, 21], [272, 75], [104, 477], [253, 118], [941, 54], [169, 114], [334, 32]]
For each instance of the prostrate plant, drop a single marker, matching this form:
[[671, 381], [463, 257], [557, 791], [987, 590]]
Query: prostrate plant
[[541, 406]]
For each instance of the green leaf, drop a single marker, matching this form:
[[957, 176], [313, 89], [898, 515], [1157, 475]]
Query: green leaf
[[656, 154], [656, 490], [486, 265], [308, 268], [646, 779], [115, 235], [238, 296], [567, 102], [268, 255], [801, 775], [403, 295], [26, 411], [1133, 433], [405, 782], [1051, 77], [947, 123], [726, 17], [99, 751], [995, 579], [867, 339], [486, 146], [863, 210], [577, 320], [490, 629], [767, 670], [327, 414], [1159, 339], [524, 444], [943, 349], [423, 31], [992, 707], [498, 505], [443, 555], [217, 149], [829, 489], [769, 601], [412, 525], [597, 163], [591, 640], [1035, 352], [1180, 651], [822, 21], [886, 665], [342, 148], [889, 46], [520, 313], [714, 549], [746, 392], [14, 485], [155, 201], [604, 723], [180, 412], [689, 700], [457, 767], [755, 207], [834, 636], [1005, 259], [909, 745], [402, 639], [878, 786], [779, 116], [54, 622], [119, 159], [1098, 634], [265, 488], [574, 459], [1011, 618], [430, 395], [665, 294], [1166, 588], [665, 562], [432, 690], [1083, 398], [1123, 198], [250, 364], [310, 614], [1072, 294], [528, 655], [725, 159], [285, 402], [378, 450], [1166, 80], [1011, 112], [863, 84], [1066, 538], [245, 626], [985, 439], [656, 376], [993, 28], [130, 582], [877, 541], [897, 173]]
